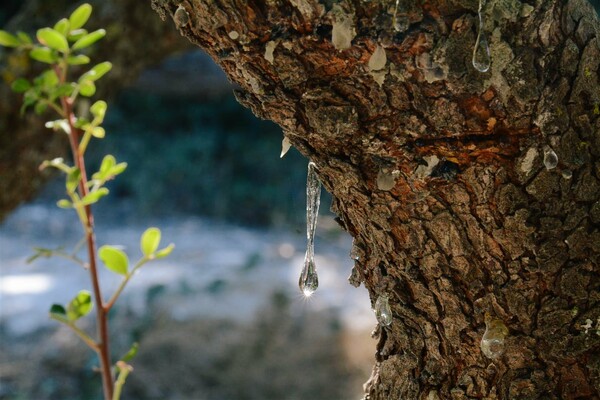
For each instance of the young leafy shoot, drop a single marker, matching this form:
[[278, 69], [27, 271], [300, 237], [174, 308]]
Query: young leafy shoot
[[55, 89]]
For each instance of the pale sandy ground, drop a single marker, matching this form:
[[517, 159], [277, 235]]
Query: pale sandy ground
[[216, 270], [225, 270]]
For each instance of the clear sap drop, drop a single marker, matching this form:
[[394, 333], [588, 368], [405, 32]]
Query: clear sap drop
[[309, 281], [400, 22], [492, 342], [550, 158], [383, 312], [481, 52]]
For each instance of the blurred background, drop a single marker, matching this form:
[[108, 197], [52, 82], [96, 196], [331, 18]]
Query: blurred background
[[222, 317]]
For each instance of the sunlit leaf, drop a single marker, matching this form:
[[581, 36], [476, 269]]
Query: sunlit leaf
[[131, 353], [89, 39], [93, 197], [97, 72], [62, 27], [43, 54], [53, 39], [79, 59], [80, 16], [64, 203], [98, 132], [73, 179], [8, 39], [80, 306], [98, 109], [24, 38], [87, 88], [165, 252], [115, 259], [149, 241]]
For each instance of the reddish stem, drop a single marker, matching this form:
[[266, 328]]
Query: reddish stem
[[101, 311]]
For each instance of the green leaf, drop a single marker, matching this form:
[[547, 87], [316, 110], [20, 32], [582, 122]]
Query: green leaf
[[43, 54], [164, 252], [63, 27], [24, 38], [49, 79], [93, 197], [20, 85], [87, 88], [119, 168], [64, 90], [149, 241], [131, 353], [64, 203], [80, 306], [98, 109], [40, 107], [73, 179], [8, 39], [108, 162], [115, 259], [80, 16], [97, 72], [76, 34], [40, 252], [79, 59], [59, 313], [89, 39], [53, 39], [98, 132]]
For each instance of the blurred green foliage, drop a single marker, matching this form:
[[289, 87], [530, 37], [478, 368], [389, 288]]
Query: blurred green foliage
[[214, 159]]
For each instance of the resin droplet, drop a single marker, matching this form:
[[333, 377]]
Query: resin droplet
[[400, 22], [550, 158], [481, 52], [309, 280], [285, 146], [492, 342], [383, 312], [181, 17]]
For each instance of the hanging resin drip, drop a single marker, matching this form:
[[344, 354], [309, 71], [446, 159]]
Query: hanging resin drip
[[481, 52], [401, 23], [550, 158], [309, 281], [492, 342], [383, 312]]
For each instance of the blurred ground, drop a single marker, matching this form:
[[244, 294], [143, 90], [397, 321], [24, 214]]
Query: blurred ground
[[221, 318]]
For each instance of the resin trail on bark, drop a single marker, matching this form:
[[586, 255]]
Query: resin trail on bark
[[309, 280]]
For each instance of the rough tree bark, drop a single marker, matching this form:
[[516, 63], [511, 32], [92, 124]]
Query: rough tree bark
[[437, 172], [131, 44]]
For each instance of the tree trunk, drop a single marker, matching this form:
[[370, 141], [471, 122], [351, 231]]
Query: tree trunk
[[131, 45], [438, 172]]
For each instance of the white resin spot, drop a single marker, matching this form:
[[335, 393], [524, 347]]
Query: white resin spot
[[269, 49], [382, 310], [378, 59], [285, 146], [343, 29], [550, 158]]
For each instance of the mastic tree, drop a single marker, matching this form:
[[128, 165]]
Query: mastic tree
[[472, 197]]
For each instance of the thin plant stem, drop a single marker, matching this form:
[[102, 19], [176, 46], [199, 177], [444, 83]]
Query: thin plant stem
[[124, 370], [101, 314], [124, 282]]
